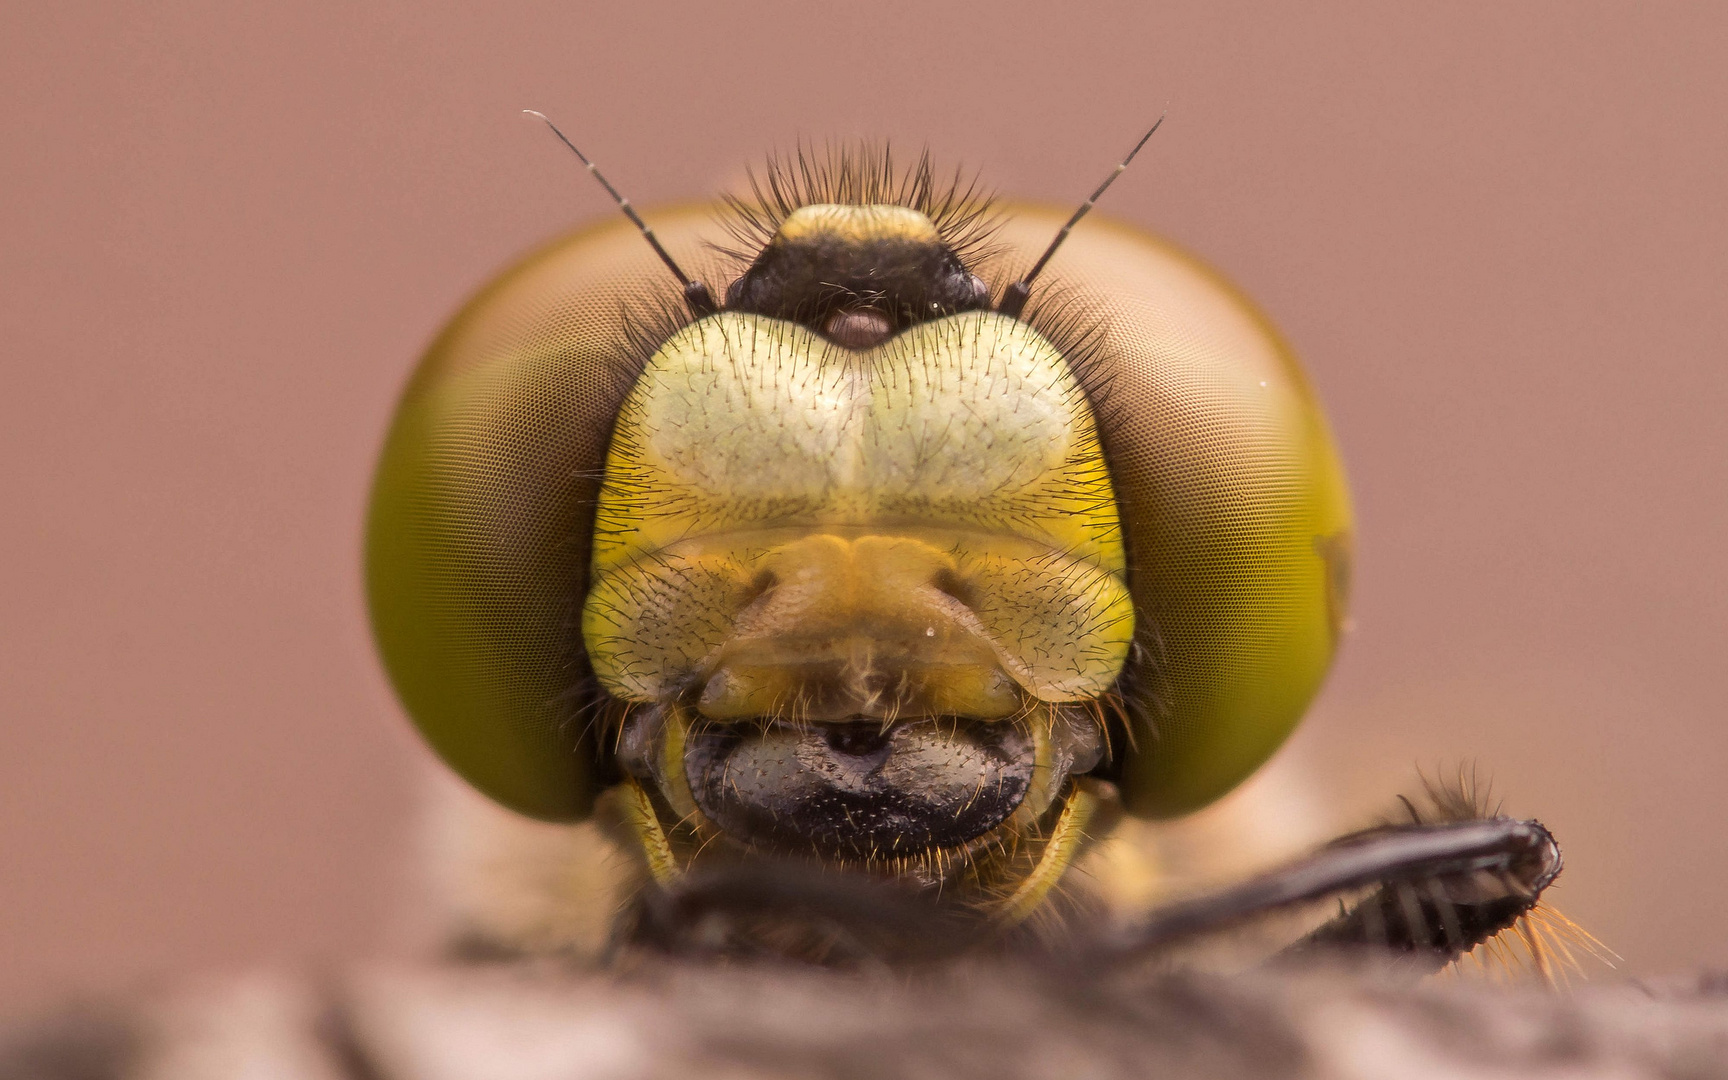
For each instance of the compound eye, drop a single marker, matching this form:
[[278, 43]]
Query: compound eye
[[481, 520], [1235, 515]]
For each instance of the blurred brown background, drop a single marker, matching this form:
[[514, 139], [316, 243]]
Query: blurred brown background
[[1496, 232]]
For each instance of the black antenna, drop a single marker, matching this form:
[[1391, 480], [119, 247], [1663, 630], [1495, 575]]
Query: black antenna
[[696, 294], [1014, 297]]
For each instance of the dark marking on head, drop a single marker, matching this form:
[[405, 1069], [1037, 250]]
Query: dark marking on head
[[857, 275]]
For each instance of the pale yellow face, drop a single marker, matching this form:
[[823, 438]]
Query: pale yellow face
[[790, 528]]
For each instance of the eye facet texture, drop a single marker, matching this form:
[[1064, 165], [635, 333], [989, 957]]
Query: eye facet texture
[[1229, 567]]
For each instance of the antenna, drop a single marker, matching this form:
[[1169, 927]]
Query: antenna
[[1014, 297], [696, 294]]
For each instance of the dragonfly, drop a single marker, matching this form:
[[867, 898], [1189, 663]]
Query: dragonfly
[[858, 550]]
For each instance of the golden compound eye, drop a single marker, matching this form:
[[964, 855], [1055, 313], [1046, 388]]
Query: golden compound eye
[[873, 563]]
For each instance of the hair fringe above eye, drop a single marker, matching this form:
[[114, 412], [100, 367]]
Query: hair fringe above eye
[[860, 174], [649, 322]]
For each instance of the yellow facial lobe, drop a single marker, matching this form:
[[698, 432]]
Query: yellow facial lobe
[[798, 528]]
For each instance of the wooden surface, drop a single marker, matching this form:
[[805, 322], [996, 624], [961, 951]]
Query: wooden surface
[[517, 1022]]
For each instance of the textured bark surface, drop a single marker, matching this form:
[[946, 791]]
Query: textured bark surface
[[997, 1021]]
